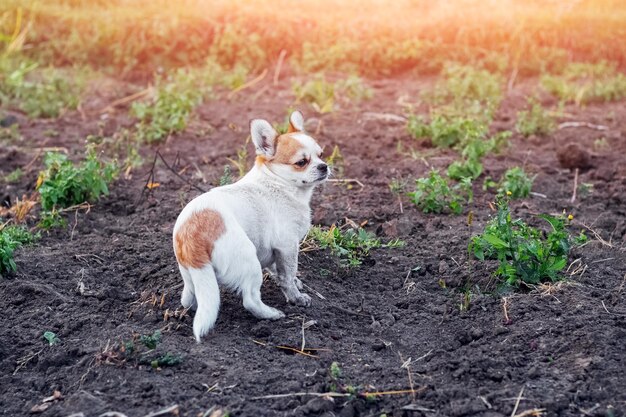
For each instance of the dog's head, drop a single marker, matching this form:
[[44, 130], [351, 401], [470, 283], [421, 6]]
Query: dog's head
[[293, 156]]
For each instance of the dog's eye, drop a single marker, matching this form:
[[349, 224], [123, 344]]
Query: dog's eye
[[301, 163]]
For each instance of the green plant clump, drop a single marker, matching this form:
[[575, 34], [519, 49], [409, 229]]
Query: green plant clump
[[467, 90], [39, 93], [515, 183], [524, 254], [583, 83], [433, 194], [11, 238], [535, 120], [323, 94], [151, 341], [64, 184], [351, 245], [171, 107], [446, 131], [51, 337]]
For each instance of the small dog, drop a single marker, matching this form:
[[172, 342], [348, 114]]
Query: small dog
[[229, 234]]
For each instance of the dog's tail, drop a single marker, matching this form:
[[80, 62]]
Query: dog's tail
[[208, 299]]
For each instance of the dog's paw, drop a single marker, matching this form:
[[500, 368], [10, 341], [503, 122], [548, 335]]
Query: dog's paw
[[302, 299], [275, 314], [299, 284]]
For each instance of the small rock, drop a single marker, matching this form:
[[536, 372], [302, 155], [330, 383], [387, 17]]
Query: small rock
[[8, 121], [318, 405], [347, 411], [573, 156], [378, 346], [443, 267]]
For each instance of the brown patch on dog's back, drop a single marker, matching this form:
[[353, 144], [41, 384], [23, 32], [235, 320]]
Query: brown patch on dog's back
[[195, 239], [288, 150]]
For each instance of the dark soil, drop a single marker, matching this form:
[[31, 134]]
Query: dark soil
[[112, 274]]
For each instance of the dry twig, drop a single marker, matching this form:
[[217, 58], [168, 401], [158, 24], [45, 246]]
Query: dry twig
[[517, 401]]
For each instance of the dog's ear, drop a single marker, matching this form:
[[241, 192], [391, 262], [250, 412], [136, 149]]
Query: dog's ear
[[296, 122], [263, 136]]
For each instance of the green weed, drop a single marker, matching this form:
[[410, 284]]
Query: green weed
[[140, 351], [64, 184], [166, 360], [11, 133], [14, 176], [51, 219], [241, 162], [323, 94], [351, 246], [470, 165], [446, 131], [583, 83], [433, 194], [170, 109], [51, 337], [535, 121], [151, 341], [336, 162], [11, 238], [124, 144], [515, 183], [467, 90], [524, 254], [38, 92], [318, 92], [227, 176]]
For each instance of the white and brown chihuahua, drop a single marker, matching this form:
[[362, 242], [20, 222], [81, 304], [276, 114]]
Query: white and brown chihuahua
[[229, 234]]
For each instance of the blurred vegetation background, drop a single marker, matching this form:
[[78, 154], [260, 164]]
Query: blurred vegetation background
[[135, 38]]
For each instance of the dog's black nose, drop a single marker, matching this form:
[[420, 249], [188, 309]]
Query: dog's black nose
[[323, 168]]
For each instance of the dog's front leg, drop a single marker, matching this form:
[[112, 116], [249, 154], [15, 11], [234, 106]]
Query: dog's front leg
[[286, 268]]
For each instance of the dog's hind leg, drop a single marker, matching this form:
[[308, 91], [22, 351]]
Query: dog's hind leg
[[250, 288], [207, 294], [188, 297]]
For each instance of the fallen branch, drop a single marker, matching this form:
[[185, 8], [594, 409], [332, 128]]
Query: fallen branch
[[575, 186], [532, 412], [341, 395], [279, 65], [169, 410], [292, 349], [517, 401], [126, 99], [248, 84], [347, 181], [385, 117], [566, 125]]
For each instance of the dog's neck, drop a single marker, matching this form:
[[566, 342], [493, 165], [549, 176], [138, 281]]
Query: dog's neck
[[263, 174]]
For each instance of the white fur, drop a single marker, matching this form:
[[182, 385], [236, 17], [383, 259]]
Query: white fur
[[266, 214]]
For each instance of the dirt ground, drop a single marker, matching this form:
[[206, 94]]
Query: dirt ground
[[112, 273]]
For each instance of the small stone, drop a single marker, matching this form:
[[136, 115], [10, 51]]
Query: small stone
[[573, 156], [318, 405], [378, 346], [8, 121], [347, 411]]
